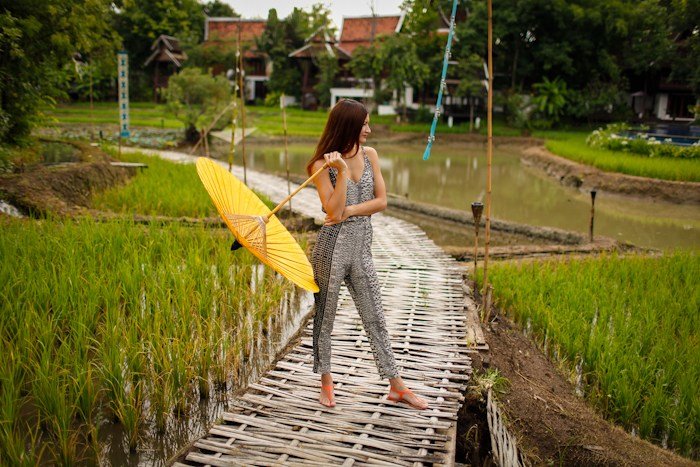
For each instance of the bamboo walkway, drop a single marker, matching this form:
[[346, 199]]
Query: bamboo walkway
[[279, 420]]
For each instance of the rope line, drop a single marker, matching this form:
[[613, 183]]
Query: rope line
[[443, 84]]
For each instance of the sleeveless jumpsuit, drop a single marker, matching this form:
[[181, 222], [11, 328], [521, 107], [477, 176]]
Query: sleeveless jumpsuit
[[343, 254]]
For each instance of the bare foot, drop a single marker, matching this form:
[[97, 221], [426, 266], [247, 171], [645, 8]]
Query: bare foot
[[327, 398], [406, 395]]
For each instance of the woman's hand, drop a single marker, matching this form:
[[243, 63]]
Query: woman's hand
[[347, 212], [335, 160]]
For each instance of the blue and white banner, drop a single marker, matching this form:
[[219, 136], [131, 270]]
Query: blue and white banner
[[123, 75]]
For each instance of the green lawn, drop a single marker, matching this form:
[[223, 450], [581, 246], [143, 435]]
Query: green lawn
[[632, 323], [141, 114]]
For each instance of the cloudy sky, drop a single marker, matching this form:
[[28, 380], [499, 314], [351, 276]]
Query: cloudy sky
[[340, 8]]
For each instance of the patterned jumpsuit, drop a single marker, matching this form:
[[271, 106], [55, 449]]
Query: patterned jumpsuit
[[343, 254]]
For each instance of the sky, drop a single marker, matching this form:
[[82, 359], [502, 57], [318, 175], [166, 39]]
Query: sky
[[340, 8]]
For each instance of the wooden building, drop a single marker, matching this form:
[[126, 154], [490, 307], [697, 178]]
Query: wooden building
[[167, 58]]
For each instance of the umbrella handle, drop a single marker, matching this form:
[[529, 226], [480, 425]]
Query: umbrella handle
[[308, 180]]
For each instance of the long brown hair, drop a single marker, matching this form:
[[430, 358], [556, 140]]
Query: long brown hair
[[342, 131]]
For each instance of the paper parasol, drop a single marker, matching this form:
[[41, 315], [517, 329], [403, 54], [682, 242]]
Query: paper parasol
[[255, 226]]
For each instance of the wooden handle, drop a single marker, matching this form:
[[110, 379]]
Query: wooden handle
[[308, 180]]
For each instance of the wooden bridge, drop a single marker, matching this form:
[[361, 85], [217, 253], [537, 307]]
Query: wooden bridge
[[432, 324]]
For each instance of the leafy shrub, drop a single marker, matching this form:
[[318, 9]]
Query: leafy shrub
[[517, 108], [272, 99], [422, 115], [551, 99], [194, 97]]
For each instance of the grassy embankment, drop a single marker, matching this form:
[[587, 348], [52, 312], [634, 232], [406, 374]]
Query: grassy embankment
[[572, 145], [113, 320], [630, 323]]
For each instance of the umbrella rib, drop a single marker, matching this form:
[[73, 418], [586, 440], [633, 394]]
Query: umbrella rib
[[216, 187]]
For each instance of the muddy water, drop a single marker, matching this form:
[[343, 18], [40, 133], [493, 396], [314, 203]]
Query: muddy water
[[455, 176]]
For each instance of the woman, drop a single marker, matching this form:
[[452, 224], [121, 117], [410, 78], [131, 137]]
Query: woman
[[351, 190]]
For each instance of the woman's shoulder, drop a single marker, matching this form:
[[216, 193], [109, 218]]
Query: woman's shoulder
[[371, 152], [317, 164]]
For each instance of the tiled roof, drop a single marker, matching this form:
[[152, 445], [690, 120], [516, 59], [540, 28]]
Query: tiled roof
[[360, 31], [320, 42], [227, 28]]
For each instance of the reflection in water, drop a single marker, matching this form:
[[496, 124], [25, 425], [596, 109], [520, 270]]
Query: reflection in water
[[455, 176]]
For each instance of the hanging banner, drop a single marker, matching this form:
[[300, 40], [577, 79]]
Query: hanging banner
[[123, 83]]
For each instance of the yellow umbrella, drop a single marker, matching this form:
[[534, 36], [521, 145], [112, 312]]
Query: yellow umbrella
[[255, 226]]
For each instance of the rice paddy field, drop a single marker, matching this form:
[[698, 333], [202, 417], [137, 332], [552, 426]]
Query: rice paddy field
[[628, 330], [114, 323]]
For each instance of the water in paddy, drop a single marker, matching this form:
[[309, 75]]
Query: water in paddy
[[455, 176]]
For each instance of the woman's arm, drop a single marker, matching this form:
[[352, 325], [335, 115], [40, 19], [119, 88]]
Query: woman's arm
[[368, 207], [332, 199]]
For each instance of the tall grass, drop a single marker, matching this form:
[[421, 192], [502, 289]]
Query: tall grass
[[164, 188], [631, 324], [117, 320], [572, 145]]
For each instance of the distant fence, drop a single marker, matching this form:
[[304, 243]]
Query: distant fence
[[505, 449]]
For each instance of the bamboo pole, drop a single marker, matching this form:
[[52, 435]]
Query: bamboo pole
[[201, 136], [477, 209], [209, 127], [92, 118], [279, 206], [489, 156], [205, 137], [286, 150], [234, 108], [241, 86], [593, 192]]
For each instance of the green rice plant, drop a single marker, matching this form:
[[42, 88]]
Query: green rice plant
[[631, 323], [53, 394], [18, 440], [120, 319], [490, 379], [164, 188]]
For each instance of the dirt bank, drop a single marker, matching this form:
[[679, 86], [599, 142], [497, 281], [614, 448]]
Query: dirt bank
[[62, 189], [553, 425], [586, 178]]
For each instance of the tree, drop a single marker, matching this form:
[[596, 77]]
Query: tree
[[216, 8], [281, 37], [328, 68], [195, 97], [140, 22], [423, 18], [38, 39], [367, 63], [400, 57], [470, 84]]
